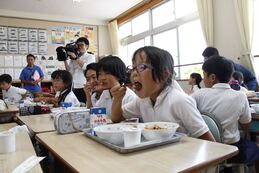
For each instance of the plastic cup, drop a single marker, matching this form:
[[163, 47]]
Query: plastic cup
[[7, 142], [132, 137]]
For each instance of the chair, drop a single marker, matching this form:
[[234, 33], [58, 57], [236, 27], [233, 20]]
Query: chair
[[217, 131]]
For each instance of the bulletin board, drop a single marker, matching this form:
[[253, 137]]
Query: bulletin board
[[19, 37]]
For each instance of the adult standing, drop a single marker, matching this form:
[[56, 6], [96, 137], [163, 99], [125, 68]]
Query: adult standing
[[31, 75], [249, 77], [77, 65]]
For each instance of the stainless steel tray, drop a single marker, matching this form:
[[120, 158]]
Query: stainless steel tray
[[142, 146]]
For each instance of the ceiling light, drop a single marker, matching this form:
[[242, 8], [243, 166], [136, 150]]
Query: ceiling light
[[76, 1]]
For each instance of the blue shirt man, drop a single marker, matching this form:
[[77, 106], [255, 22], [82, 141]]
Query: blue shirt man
[[31, 75]]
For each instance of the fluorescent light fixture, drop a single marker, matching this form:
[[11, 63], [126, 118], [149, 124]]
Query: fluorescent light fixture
[[77, 1]]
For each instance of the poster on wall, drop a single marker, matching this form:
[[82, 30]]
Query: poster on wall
[[89, 34], [33, 47], [57, 35], [13, 47], [23, 34], [33, 35], [3, 46], [43, 35], [12, 33], [3, 33], [23, 47], [43, 48], [72, 33]]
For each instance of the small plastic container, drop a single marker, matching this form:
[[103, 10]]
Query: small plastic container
[[21, 103], [131, 137]]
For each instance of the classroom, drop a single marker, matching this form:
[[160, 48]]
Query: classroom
[[129, 86]]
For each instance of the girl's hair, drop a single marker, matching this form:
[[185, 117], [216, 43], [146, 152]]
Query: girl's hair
[[113, 65], [197, 78], [66, 77], [159, 59], [91, 66]]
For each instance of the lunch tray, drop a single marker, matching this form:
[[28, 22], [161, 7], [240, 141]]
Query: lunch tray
[[144, 144]]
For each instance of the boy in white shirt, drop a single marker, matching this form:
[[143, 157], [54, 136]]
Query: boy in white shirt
[[158, 99], [12, 93], [230, 107]]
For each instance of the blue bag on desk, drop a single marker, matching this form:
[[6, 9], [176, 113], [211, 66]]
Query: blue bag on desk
[[71, 120]]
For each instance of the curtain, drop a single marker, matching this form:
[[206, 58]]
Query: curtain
[[114, 37], [244, 27], [205, 10]]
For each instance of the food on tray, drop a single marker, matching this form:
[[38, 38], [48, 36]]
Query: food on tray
[[155, 127]]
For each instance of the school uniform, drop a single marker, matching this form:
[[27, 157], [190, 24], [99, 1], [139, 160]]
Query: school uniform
[[106, 100], [171, 105], [229, 107], [70, 98], [14, 93], [193, 89]]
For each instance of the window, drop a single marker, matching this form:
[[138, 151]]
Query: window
[[174, 26]]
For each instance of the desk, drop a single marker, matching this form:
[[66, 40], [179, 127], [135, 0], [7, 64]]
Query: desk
[[24, 149], [37, 123], [253, 99], [82, 154], [8, 114]]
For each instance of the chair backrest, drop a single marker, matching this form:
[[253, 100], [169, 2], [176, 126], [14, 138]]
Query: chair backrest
[[214, 126]]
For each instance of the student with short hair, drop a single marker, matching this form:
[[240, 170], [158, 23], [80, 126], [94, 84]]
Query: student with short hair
[[31, 75], [112, 72], [249, 77], [12, 93], [158, 98], [194, 80], [230, 107], [91, 88], [62, 85]]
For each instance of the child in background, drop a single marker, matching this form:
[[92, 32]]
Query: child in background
[[62, 85], [237, 82], [111, 72], [92, 91], [12, 93], [230, 107], [194, 81], [159, 99]]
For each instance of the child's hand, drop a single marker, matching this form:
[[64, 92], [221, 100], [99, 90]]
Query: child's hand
[[88, 89], [118, 92]]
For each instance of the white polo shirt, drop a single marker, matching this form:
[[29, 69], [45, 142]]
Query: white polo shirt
[[14, 93], [171, 105], [229, 107], [78, 72], [106, 100], [71, 97]]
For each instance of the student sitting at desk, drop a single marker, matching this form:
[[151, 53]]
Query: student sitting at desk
[[112, 72], [92, 89], [62, 85], [194, 80], [12, 93], [229, 107], [158, 98]]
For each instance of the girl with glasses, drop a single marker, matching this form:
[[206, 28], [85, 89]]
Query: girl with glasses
[[158, 98]]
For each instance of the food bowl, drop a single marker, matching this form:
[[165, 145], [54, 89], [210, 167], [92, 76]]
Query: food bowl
[[158, 130], [112, 133], [255, 107]]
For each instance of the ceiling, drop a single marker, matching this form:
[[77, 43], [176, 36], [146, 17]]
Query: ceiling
[[96, 12]]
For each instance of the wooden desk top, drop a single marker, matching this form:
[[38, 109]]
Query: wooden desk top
[[253, 99], [11, 109], [82, 154], [255, 116], [24, 149], [7, 126], [38, 123]]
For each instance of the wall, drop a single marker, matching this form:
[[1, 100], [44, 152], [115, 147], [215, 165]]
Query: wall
[[103, 37]]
